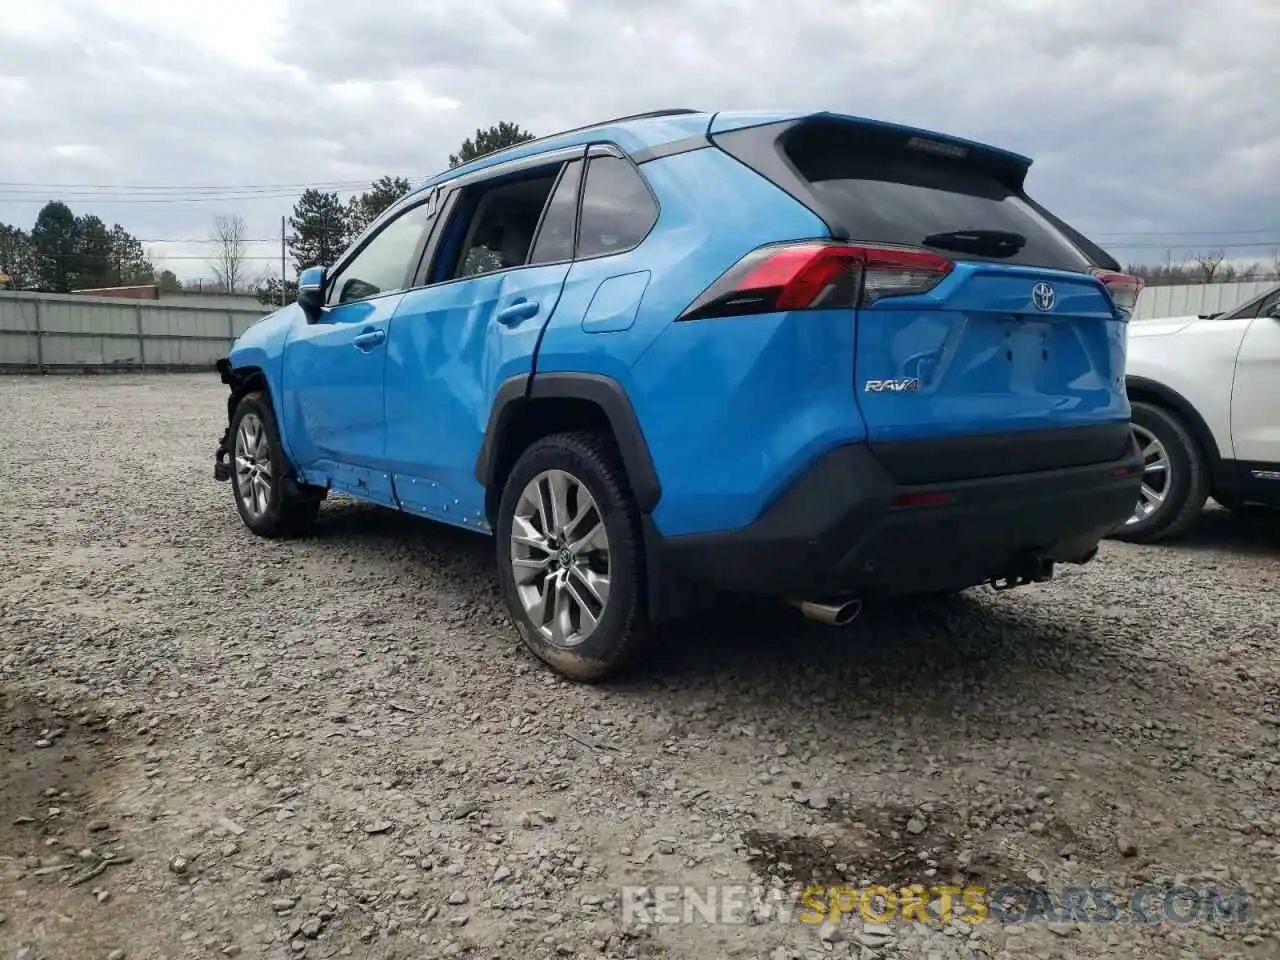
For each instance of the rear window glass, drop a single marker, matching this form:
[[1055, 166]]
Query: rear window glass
[[885, 191], [617, 208]]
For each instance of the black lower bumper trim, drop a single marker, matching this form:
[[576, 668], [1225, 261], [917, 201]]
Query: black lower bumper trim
[[1002, 454], [840, 529]]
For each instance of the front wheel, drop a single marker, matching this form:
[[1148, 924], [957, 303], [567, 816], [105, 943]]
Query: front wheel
[[269, 504], [1175, 479], [570, 562]]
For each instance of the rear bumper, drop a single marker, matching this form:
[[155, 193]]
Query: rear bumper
[[847, 526]]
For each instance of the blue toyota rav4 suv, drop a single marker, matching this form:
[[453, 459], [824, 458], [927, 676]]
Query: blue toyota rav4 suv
[[805, 355]]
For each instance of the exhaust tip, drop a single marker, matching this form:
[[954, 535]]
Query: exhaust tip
[[833, 614]]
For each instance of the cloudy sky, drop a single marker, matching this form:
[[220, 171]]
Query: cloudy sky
[[1154, 124]]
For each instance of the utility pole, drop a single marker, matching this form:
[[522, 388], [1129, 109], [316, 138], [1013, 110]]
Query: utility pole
[[282, 248]]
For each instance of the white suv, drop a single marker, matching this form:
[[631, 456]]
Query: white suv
[[1206, 411]]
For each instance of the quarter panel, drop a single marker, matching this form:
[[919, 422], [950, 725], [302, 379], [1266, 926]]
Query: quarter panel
[[733, 408], [726, 406], [1197, 361]]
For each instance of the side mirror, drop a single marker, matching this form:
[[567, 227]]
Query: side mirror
[[311, 291]]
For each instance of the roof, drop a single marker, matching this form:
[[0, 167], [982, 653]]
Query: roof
[[632, 133], [646, 131]]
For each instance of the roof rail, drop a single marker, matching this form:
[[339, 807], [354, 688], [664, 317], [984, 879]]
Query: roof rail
[[650, 115], [671, 112]]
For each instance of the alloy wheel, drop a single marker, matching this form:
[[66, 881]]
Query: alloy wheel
[[253, 465], [1156, 475], [560, 557]]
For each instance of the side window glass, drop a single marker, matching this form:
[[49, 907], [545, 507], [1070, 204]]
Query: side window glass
[[617, 208], [1270, 306], [555, 237], [502, 227], [381, 267], [1247, 312]]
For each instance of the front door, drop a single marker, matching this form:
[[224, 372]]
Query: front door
[[493, 283], [1255, 405], [334, 363]]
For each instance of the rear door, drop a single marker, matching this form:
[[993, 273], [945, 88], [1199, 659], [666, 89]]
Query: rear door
[[1011, 332], [488, 286]]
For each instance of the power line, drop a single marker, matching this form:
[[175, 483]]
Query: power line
[[1179, 233], [1217, 246], [206, 240], [225, 187], [44, 198], [159, 194]]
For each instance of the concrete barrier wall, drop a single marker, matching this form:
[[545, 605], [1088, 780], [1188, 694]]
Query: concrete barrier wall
[[1193, 299], [55, 332]]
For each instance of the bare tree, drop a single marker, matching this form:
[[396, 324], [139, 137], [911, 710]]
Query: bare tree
[[1275, 262], [230, 260], [1210, 261]]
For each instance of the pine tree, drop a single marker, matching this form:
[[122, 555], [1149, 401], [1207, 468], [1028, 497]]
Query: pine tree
[[497, 137], [17, 259], [53, 238], [129, 264], [321, 228], [363, 209], [92, 262]]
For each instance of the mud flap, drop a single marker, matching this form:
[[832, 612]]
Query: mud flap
[[221, 468]]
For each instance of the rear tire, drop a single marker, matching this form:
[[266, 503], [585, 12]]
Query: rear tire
[[268, 500], [570, 557], [1175, 483]]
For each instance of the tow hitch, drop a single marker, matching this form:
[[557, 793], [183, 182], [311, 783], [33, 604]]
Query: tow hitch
[[1031, 570]]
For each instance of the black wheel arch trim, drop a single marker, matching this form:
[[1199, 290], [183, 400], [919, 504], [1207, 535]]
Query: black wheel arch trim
[[604, 392], [240, 380]]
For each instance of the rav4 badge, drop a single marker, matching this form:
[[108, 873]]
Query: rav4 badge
[[897, 385]]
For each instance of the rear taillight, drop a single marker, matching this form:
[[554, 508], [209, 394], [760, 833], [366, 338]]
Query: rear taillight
[[815, 275], [1124, 289]]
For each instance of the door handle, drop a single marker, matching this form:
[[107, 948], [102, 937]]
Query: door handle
[[368, 339], [519, 310]]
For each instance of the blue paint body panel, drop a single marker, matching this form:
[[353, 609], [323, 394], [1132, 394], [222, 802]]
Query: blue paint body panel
[[734, 408], [988, 361], [261, 347], [332, 394], [731, 409]]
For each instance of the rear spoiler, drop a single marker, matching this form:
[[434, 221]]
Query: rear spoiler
[[761, 146]]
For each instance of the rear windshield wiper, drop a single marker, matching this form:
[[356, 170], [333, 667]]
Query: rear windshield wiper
[[990, 243]]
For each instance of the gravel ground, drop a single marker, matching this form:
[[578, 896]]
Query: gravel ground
[[213, 745]]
